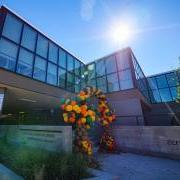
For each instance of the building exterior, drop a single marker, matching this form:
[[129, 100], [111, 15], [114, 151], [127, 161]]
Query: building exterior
[[35, 72]]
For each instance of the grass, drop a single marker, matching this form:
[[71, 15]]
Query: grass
[[31, 163]]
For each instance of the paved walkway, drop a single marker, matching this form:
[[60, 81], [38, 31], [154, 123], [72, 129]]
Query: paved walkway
[[126, 166]]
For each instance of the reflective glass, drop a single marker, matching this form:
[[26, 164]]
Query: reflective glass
[[39, 69], [110, 64], [52, 74], [100, 68], [174, 93], [70, 63], [165, 95], [8, 54], [172, 79], [25, 62], [42, 46], [161, 81], [83, 69], [1, 100], [53, 52], [62, 58], [83, 84], [91, 71], [113, 83], [101, 84], [155, 96], [77, 88], [61, 77], [12, 28], [77, 67], [29, 38], [125, 78], [152, 83], [92, 82], [122, 60]]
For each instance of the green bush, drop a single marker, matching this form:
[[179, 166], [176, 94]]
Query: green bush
[[28, 162]]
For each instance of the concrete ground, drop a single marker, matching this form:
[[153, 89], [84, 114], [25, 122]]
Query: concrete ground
[[126, 166]]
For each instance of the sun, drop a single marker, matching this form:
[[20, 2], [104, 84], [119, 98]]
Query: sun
[[121, 33]]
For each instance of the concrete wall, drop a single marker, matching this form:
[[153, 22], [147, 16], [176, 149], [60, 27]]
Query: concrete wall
[[53, 138], [159, 141]]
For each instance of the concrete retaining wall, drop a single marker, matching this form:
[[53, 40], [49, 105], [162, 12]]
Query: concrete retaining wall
[[53, 138], [153, 140]]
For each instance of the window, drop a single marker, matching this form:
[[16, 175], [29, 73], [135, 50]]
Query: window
[[111, 64], [113, 84], [61, 77], [8, 54], [12, 28], [29, 38], [42, 46], [172, 79], [77, 88], [161, 81], [125, 79], [1, 100], [91, 71], [62, 58], [52, 74], [77, 67], [122, 60], [155, 97], [25, 63], [165, 95], [101, 83], [100, 68], [70, 63], [40, 69], [152, 83], [174, 92], [83, 69], [53, 52], [92, 82], [70, 81]]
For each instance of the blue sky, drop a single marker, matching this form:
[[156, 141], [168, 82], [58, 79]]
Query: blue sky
[[83, 27]]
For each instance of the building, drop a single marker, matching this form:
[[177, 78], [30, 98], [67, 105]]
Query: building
[[35, 73]]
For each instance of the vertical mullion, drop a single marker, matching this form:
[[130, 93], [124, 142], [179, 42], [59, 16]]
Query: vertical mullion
[[35, 49], [117, 71], [47, 63]]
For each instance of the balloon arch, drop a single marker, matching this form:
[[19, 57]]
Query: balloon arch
[[81, 114]]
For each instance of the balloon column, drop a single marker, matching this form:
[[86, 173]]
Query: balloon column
[[82, 115]]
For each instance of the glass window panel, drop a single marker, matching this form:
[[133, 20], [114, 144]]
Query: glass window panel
[[161, 81], [70, 63], [111, 64], [101, 84], [42, 46], [100, 68], [77, 80], [165, 95], [83, 69], [122, 60], [77, 88], [25, 62], [83, 84], [52, 74], [152, 83], [53, 52], [8, 54], [39, 69], [172, 79], [125, 75], [12, 28], [29, 38], [61, 77], [77, 67], [70, 78], [91, 71], [113, 84], [125, 78], [174, 92], [62, 58], [155, 96], [92, 82], [127, 84]]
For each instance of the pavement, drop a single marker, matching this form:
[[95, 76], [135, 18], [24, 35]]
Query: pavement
[[126, 166]]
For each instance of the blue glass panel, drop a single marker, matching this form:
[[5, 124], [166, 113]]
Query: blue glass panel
[[165, 95], [29, 38], [42, 46], [92, 82], [62, 58], [155, 96], [161, 81], [83, 70], [61, 77], [8, 54], [52, 74], [91, 71], [111, 64], [172, 79], [53, 52], [122, 60], [25, 62], [77, 67], [152, 83], [39, 69], [102, 84], [12, 28], [100, 68], [174, 92], [70, 63], [113, 83], [125, 78]]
